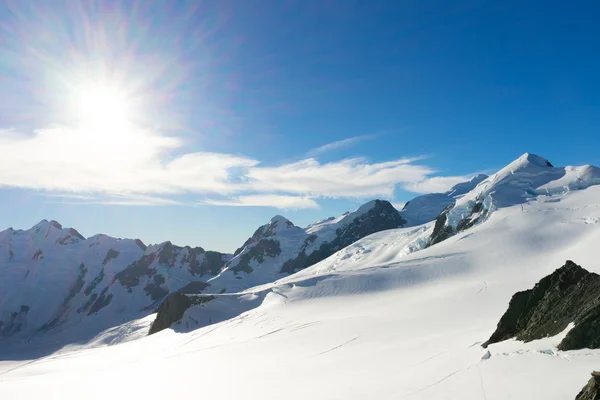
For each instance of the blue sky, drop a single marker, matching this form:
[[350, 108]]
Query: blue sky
[[196, 122]]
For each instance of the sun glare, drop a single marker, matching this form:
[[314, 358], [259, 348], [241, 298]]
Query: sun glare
[[101, 106]]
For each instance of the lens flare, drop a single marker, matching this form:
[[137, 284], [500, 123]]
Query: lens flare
[[101, 107]]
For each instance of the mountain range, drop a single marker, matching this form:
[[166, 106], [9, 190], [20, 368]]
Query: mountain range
[[64, 278], [378, 302]]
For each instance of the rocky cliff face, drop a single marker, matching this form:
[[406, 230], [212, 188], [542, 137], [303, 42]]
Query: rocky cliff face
[[591, 391], [172, 309], [568, 295]]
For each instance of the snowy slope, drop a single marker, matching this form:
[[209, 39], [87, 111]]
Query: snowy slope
[[387, 324]]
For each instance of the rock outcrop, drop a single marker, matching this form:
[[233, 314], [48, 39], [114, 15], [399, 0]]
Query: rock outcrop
[[172, 309], [570, 294], [591, 391]]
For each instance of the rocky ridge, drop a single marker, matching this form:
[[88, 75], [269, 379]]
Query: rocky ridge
[[568, 295]]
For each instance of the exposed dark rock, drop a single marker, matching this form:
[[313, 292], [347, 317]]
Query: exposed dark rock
[[110, 254], [265, 231], [154, 289], [131, 275], [165, 255], [211, 263], [441, 231], [37, 255], [591, 391], [102, 301], [549, 164], [172, 309], [141, 244], [56, 224], [380, 217], [88, 303], [72, 237], [264, 247], [15, 323], [569, 294], [195, 287], [94, 283]]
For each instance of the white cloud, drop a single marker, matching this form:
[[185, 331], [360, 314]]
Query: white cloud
[[353, 178], [121, 200], [436, 184], [141, 167], [339, 144], [132, 162], [267, 200]]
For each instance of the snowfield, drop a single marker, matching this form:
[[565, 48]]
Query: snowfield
[[384, 318]]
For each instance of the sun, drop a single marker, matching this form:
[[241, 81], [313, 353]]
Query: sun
[[101, 106]]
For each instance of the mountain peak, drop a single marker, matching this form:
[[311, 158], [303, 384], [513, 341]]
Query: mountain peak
[[279, 221], [529, 159], [44, 224], [55, 224]]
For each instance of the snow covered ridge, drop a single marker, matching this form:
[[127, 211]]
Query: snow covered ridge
[[526, 178]]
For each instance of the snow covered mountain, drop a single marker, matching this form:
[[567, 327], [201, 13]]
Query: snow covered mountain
[[397, 314], [280, 247], [524, 179], [54, 278]]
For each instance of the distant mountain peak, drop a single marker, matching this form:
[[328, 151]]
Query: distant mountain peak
[[55, 224], [529, 160], [279, 221], [45, 224]]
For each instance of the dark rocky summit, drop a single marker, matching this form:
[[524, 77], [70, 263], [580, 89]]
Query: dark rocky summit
[[172, 309], [569, 294], [591, 391], [380, 217]]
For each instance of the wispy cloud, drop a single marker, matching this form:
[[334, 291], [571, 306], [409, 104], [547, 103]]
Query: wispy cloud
[[143, 167], [339, 144], [114, 199], [266, 200], [350, 178]]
